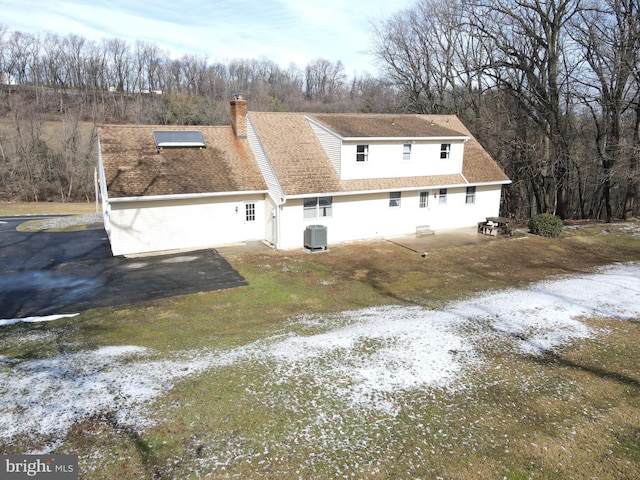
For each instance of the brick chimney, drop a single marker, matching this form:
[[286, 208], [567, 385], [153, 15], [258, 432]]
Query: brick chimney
[[239, 115]]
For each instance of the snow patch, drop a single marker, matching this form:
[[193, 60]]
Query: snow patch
[[46, 318], [361, 357], [382, 350], [548, 314]]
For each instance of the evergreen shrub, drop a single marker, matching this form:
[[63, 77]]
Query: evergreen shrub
[[546, 224]]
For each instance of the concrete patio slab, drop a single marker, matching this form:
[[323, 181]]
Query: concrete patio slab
[[447, 239]]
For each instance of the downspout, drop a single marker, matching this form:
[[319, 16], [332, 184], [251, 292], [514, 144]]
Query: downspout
[[278, 222], [276, 217], [104, 194]]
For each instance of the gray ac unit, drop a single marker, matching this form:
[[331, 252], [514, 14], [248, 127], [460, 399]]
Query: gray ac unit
[[315, 237]]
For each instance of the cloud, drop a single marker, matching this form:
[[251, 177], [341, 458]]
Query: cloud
[[284, 31]]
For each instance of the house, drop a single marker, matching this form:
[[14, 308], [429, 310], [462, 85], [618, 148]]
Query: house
[[274, 176], [165, 188]]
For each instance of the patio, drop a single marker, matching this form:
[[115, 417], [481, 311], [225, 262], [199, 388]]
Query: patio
[[447, 239]]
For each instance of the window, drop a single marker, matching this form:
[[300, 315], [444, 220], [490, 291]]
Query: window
[[317, 207], [424, 199], [442, 197], [249, 212], [324, 206], [362, 153], [394, 199], [310, 206], [445, 150], [471, 195], [406, 151]]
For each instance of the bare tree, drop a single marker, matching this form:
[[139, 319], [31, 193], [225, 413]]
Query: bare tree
[[149, 61], [528, 41], [119, 59], [609, 34], [194, 71], [22, 49], [423, 51], [325, 81]]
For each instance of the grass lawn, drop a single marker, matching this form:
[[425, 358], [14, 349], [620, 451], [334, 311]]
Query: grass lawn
[[45, 208], [236, 407]]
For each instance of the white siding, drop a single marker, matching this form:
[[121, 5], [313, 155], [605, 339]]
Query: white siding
[[275, 190], [276, 194], [385, 160], [148, 226], [330, 143], [360, 217]]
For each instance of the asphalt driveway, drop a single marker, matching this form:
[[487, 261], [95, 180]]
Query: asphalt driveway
[[46, 273]]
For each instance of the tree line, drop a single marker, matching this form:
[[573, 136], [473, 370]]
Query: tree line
[[550, 88], [55, 90]]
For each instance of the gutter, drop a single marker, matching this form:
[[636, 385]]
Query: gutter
[[185, 196], [405, 139], [396, 189]]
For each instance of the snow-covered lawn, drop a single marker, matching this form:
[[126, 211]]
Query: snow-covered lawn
[[359, 356]]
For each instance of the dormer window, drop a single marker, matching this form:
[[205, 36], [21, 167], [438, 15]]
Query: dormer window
[[406, 151], [362, 153], [445, 150]]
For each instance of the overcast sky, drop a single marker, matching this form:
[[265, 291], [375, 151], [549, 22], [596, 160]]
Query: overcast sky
[[284, 31]]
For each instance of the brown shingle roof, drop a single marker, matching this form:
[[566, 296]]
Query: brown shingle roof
[[400, 183], [477, 165], [358, 125], [302, 166], [295, 153], [133, 166]]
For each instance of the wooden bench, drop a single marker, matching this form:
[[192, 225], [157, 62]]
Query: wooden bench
[[488, 228], [495, 225]]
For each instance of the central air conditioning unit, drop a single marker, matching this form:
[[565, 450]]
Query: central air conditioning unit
[[315, 237]]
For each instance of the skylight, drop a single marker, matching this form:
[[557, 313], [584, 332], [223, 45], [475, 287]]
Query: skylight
[[178, 138]]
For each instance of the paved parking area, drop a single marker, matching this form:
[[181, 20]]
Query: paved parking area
[[46, 273]]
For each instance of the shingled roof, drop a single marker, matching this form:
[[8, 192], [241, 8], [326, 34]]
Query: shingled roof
[[302, 166], [477, 165], [298, 159], [134, 167], [358, 125]]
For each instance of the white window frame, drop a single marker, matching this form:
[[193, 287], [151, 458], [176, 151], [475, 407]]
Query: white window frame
[[250, 212], [424, 199], [362, 153], [317, 207], [470, 197], [395, 199], [445, 151], [442, 196], [406, 151]]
